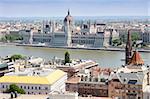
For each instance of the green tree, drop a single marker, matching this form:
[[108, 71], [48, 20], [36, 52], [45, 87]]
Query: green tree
[[16, 56], [117, 42], [135, 36], [14, 87], [123, 38], [67, 58], [3, 39], [11, 37]]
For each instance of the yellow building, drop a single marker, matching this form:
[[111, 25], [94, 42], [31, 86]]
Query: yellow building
[[35, 81]]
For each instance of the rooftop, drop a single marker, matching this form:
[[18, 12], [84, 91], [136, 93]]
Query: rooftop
[[52, 77], [136, 59], [3, 65], [130, 78], [74, 80], [81, 64]]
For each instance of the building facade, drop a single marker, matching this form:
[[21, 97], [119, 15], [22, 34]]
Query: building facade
[[146, 36], [36, 81], [89, 83], [87, 86], [125, 86], [146, 86], [55, 34]]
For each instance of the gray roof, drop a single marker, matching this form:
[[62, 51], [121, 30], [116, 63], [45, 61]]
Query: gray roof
[[131, 78], [3, 65]]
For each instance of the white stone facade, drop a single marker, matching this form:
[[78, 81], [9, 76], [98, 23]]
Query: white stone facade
[[89, 35]]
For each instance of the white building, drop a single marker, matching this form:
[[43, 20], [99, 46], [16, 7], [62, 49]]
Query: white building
[[35, 81], [6, 66], [89, 35]]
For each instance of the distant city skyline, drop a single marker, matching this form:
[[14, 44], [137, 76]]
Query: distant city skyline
[[58, 8]]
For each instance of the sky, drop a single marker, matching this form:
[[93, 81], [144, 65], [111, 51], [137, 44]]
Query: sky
[[58, 8]]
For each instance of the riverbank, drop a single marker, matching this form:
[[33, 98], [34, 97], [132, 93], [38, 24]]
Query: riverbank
[[5, 44], [73, 47], [83, 48]]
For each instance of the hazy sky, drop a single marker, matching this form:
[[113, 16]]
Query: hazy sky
[[49, 8]]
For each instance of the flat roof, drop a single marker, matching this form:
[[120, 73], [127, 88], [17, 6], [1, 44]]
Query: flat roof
[[3, 65], [73, 80]]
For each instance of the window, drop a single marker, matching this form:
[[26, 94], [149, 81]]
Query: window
[[46, 88], [139, 97], [3, 86], [28, 87], [32, 87], [24, 87], [67, 85], [6, 86], [20, 86], [39, 88], [35, 87]]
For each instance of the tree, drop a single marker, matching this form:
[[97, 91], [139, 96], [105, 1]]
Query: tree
[[11, 37], [117, 42], [67, 58], [135, 36], [3, 39], [16, 56], [15, 88]]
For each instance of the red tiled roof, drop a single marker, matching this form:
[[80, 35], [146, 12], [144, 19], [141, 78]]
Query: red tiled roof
[[136, 59]]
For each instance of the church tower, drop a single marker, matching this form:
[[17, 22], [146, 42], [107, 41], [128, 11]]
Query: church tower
[[128, 50], [68, 28]]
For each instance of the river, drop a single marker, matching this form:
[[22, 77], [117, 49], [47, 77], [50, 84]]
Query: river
[[104, 58]]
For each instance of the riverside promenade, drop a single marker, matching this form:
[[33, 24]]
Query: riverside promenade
[[121, 49], [86, 48]]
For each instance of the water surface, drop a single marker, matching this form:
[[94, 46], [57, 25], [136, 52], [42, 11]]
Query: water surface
[[104, 58]]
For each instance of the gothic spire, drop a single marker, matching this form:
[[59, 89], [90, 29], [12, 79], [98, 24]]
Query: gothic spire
[[148, 78], [68, 12], [128, 48]]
